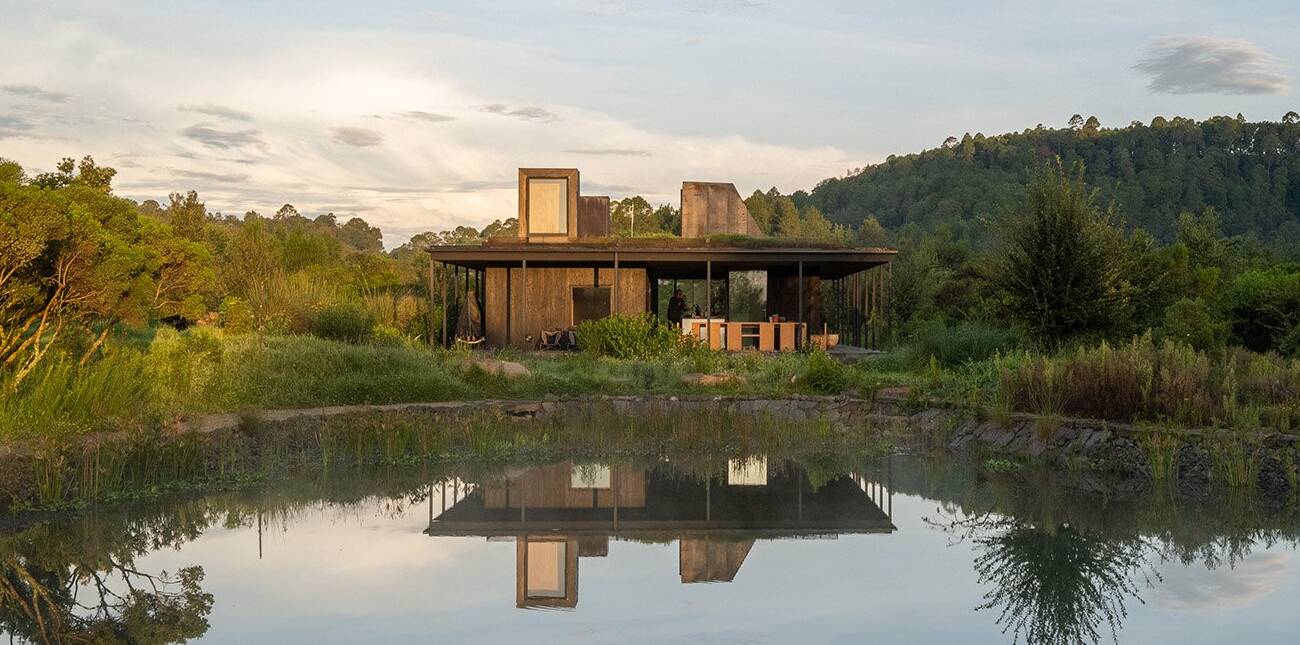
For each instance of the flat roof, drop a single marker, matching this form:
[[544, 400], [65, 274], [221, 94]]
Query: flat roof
[[669, 260]]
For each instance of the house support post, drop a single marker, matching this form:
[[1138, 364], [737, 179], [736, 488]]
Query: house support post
[[523, 312], [445, 308], [616, 284], [799, 297], [708, 290], [432, 333]]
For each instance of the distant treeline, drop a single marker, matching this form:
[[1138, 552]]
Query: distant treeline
[[1247, 172]]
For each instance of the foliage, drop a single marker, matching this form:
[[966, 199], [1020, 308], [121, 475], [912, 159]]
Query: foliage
[[347, 321], [622, 336], [965, 342], [1064, 271], [1192, 321], [236, 315], [1167, 382], [825, 375], [1246, 171]]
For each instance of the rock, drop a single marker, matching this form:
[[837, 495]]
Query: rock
[[508, 369], [1273, 481], [712, 380], [1192, 472]]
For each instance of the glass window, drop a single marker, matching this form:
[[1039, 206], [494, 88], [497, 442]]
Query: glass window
[[546, 564], [548, 206], [590, 303], [590, 476]]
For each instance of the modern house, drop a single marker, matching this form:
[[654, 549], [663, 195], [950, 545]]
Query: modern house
[[560, 513], [750, 291]]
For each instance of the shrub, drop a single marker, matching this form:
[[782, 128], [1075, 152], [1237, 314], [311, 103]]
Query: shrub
[[963, 343], [1290, 343], [347, 321], [236, 315], [824, 374], [1191, 321], [385, 336], [1167, 382], [637, 337]]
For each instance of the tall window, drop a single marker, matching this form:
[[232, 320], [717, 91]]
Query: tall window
[[590, 303], [548, 206]]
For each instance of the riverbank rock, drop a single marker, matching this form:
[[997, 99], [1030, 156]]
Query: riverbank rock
[[508, 369], [1192, 472], [708, 380]]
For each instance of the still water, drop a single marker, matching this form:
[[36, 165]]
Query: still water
[[755, 550]]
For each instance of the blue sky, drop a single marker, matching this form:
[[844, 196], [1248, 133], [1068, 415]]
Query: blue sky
[[414, 115]]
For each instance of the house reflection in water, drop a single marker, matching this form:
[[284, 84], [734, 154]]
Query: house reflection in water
[[560, 513]]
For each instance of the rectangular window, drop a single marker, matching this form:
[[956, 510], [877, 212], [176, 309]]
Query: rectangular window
[[548, 206], [590, 303], [546, 565]]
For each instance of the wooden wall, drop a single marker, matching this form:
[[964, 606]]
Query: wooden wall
[[548, 302]]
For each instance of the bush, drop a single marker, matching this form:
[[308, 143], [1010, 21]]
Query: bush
[[347, 321], [1290, 343], [824, 374], [964, 343], [236, 315], [1169, 382], [385, 336], [636, 337], [1192, 322]]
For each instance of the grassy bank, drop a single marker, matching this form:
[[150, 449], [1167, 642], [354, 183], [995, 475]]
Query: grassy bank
[[196, 372]]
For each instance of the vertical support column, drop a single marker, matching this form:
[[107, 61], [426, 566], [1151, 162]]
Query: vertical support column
[[523, 312], [445, 308], [509, 298], [617, 300], [799, 296], [432, 333], [708, 290]]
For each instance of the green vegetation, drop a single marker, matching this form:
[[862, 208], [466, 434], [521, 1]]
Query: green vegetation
[[634, 337]]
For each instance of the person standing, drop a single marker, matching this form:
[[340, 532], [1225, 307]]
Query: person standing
[[676, 307]]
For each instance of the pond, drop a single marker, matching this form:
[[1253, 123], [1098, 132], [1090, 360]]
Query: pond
[[744, 550]]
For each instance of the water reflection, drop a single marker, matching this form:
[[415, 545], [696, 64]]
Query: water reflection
[[50, 594], [793, 542], [560, 513]]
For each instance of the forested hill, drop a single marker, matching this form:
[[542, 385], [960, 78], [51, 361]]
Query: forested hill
[[1248, 172]]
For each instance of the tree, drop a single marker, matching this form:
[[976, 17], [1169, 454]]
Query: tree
[[1064, 271], [787, 220], [286, 212], [187, 214], [871, 234], [1076, 122], [815, 225], [631, 216], [1291, 118], [357, 235]]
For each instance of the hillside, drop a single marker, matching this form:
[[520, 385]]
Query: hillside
[[1248, 172]]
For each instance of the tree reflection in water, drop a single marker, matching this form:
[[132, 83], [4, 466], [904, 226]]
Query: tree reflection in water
[[98, 601]]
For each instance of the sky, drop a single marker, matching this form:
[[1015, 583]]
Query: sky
[[416, 115]]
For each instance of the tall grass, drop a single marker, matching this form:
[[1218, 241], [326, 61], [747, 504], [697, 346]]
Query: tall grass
[[960, 344], [1166, 382], [63, 399]]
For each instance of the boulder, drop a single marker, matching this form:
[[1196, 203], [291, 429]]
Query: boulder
[[508, 369]]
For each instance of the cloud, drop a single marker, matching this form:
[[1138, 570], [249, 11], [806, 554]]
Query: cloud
[[525, 113], [1205, 65], [13, 126], [223, 139], [1190, 588], [610, 152], [358, 137], [219, 111], [34, 92], [230, 178], [420, 115]]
